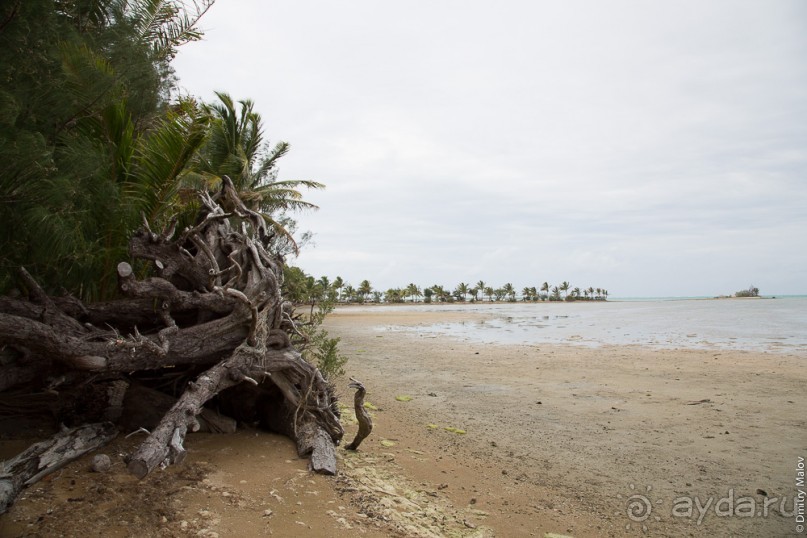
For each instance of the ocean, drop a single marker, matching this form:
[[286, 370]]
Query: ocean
[[771, 325]]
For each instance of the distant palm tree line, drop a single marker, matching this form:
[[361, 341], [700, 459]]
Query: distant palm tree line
[[343, 292]]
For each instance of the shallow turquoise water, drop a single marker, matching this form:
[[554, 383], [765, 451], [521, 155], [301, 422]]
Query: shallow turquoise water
[[773, 325]]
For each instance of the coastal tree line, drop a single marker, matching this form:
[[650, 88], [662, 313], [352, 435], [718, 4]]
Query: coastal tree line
[[340, 291]]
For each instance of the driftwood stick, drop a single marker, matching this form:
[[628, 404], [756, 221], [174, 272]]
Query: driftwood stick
[[47, 456], [365, 422]]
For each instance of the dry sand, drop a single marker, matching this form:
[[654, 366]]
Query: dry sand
[[556, 439]]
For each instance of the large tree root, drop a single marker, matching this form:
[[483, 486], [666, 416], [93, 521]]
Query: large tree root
[[203, 314]]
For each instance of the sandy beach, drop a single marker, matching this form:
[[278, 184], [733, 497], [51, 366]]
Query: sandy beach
[[560, 437], [477, 439]]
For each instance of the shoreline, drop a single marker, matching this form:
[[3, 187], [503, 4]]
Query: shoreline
[[759, 326], [480, 302], [569, 429], [475, 440]]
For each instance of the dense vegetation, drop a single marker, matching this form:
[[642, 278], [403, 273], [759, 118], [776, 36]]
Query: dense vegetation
[[319, 297], [340, 291], [750, 292], [93, 143]]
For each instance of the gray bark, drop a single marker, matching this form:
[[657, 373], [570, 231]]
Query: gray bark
[[43, 458], [210, 317]]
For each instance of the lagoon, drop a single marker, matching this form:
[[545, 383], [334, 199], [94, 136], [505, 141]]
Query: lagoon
[[768, 325]]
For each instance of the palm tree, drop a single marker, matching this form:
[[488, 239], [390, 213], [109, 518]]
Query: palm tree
[[489, 292], [525, 294], [313, 292], [534, 293], [481, 286], [328, 290], [475, 293], [462, 289], [427, 294], [510, 291], [350, 293], [236, 149], [591, 292], [338, 284], [365, 289], [545, 287], [555, 294], [564, 287], [441, 293], [395, 295], [413, 291]]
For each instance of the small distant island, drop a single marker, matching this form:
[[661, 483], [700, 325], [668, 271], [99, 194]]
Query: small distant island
[[752, 291]]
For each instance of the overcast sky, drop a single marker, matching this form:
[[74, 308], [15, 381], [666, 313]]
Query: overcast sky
[[651, 148]]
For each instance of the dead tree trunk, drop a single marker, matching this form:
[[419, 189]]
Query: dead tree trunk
[[50, 455], [208, 316]]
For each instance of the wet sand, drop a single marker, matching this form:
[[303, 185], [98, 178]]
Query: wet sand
[[476, 439], [560, 437]]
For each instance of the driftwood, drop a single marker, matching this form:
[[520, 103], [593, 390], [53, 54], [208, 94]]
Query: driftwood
[[144, 407], [202, 314], [362, 416], [43, 458]]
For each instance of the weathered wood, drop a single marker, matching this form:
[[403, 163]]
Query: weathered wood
[[164, 445], [144, 407], [13, 374], [211, 303], [311, 423], [315, 443], [362, 416], [205, 343], [41, 459]]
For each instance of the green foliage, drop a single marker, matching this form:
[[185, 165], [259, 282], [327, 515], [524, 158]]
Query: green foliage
[[750, 292], [317, 298], [83, 89], [91, 144], [323, 351], [236, 148], [437, 293]]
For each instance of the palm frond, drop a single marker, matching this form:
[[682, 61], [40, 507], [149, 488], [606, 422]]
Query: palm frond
[[89, 77], [166, 24], [268, 163], [283, 233], [161, 161]]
